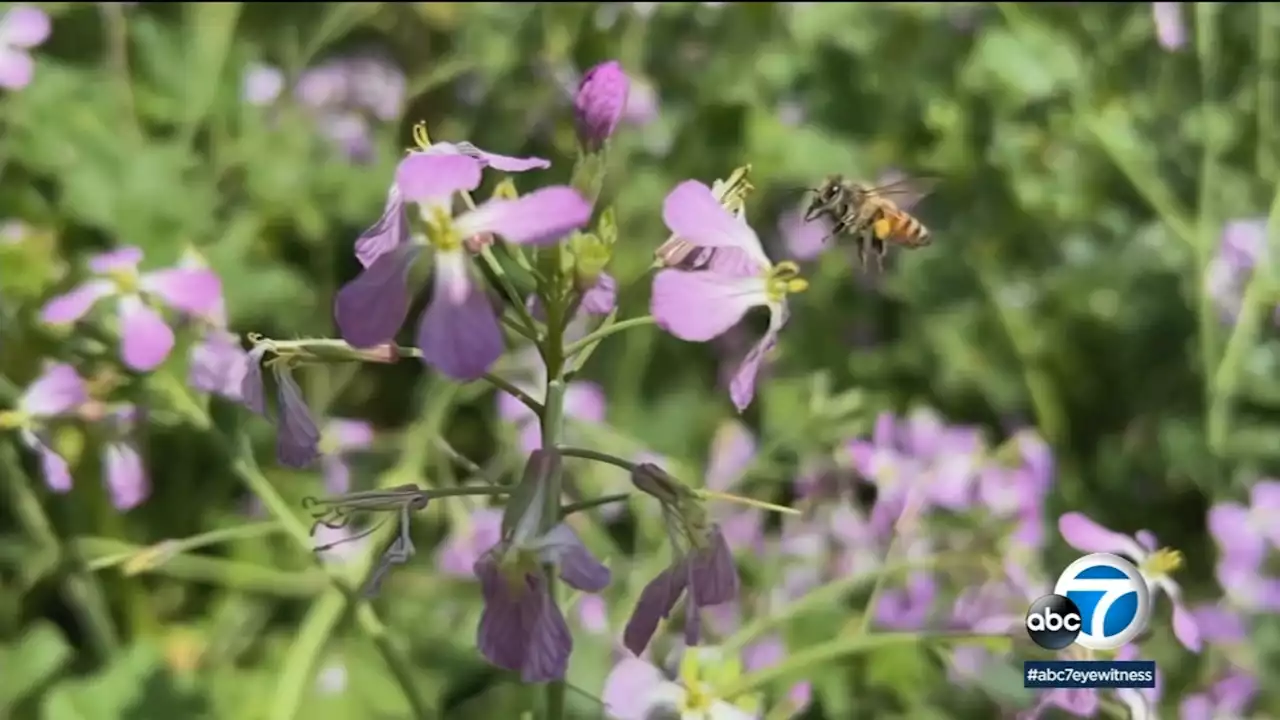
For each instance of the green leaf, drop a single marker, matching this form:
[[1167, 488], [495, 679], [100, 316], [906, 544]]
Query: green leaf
[[210, 28], [32, 661], [135, 685]]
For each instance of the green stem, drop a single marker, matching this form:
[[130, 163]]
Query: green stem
[[598, 456], [104, 553], [604, 332], [847, 647], [1268, 87], [525, 398], [552, 427], [572, 508], [79, 588], [1209, 217]]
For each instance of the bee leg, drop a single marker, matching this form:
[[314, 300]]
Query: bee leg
[[880, 250]]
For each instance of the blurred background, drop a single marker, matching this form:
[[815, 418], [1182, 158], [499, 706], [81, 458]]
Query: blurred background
[[1090, 332]]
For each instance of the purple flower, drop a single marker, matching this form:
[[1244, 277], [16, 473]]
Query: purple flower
[[145, 338], [700, 305], [297, 437], [22, 28], [1227, 698], [772, 651], [123, 469], [1171, 30], [732, 451], [1242, 247], [709, 575], [340, 438], [1156, 565], [262, 84], [218, 364], [1245, 536], [58, 391], [465, 545], [803, 239], [636, 690], [1220, 624], [458, 333], [643, 104], [600, 102], [521, 627]]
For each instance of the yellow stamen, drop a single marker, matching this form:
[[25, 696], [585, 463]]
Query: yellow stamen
[[440, 231], [126, 280], [697, 697], [12, 419], [1163, 562], [420, 137], [783, 279], [746, 501]]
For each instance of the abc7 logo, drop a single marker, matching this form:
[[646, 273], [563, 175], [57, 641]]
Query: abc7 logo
[[1115, 599]]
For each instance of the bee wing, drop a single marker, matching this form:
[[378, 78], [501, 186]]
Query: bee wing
[[907, 191]]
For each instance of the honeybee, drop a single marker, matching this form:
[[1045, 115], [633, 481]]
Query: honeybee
[[873, 216]]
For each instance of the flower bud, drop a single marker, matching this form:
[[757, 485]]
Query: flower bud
[[590, 256], [600, 102]]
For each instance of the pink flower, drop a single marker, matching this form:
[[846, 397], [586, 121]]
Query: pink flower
[[22, 28], [145, 337], [698, 305], [600, 102]]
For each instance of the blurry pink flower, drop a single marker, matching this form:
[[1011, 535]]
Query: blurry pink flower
[[145, 337], [21, 28], [1171, 30]]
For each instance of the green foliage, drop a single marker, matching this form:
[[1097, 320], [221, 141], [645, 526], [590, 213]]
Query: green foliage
[[1086, 176]]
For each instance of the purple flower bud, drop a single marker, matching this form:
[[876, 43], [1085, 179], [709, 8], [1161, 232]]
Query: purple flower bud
[[600, 102], [522, 629], [711, 578], [297, 437]]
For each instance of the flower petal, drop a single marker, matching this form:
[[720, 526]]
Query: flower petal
[[713, 572], [430, 179], [698, 306], [505, 163], [122, 258], [347, 435], [126, 476], [218, 365], [252, 391], [692, 212], [458, 332], [297, 437], [629, 687], [1086, 535], [72, 306], [58, 390], [390, 232], [656, 601], [53, 468], [521, 629], [1185, 628], [1230, 526], [602, 297], [16, 69], [578, 567], [742, 387], [540, 217], [584, 401], [145, 337], [196, 291], [370, 309], [24, 26]]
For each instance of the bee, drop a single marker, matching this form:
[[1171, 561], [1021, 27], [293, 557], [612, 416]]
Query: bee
[[874, 216]]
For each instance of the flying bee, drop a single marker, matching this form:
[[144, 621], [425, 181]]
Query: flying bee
[[874, 216]]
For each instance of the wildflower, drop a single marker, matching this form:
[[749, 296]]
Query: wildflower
[[702, 566], [21, 28], [123, 468], [458, 332], [1220, 624], [57, 392], [1156, 565], [636, 690], [1241, 248], [600, 102], [698, 306], [732, 451], [769, 652], [803, 239], [1245, 536], [465, 545], [297, 437], [1171, 30], [521, 627], [340, 438], [643, 104], [392, 230], [262, 84], [1227, 698], [218, 364], [145, 337]]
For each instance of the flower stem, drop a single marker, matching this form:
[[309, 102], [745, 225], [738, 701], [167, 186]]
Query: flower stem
[[525, 398], [572, 508], [552, 425], [598, 456], [604, 332]]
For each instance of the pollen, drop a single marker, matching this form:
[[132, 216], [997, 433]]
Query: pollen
[[420, 137], [125, 279], [882, 227], [784, 279], [1163, 562], [440, 230]]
